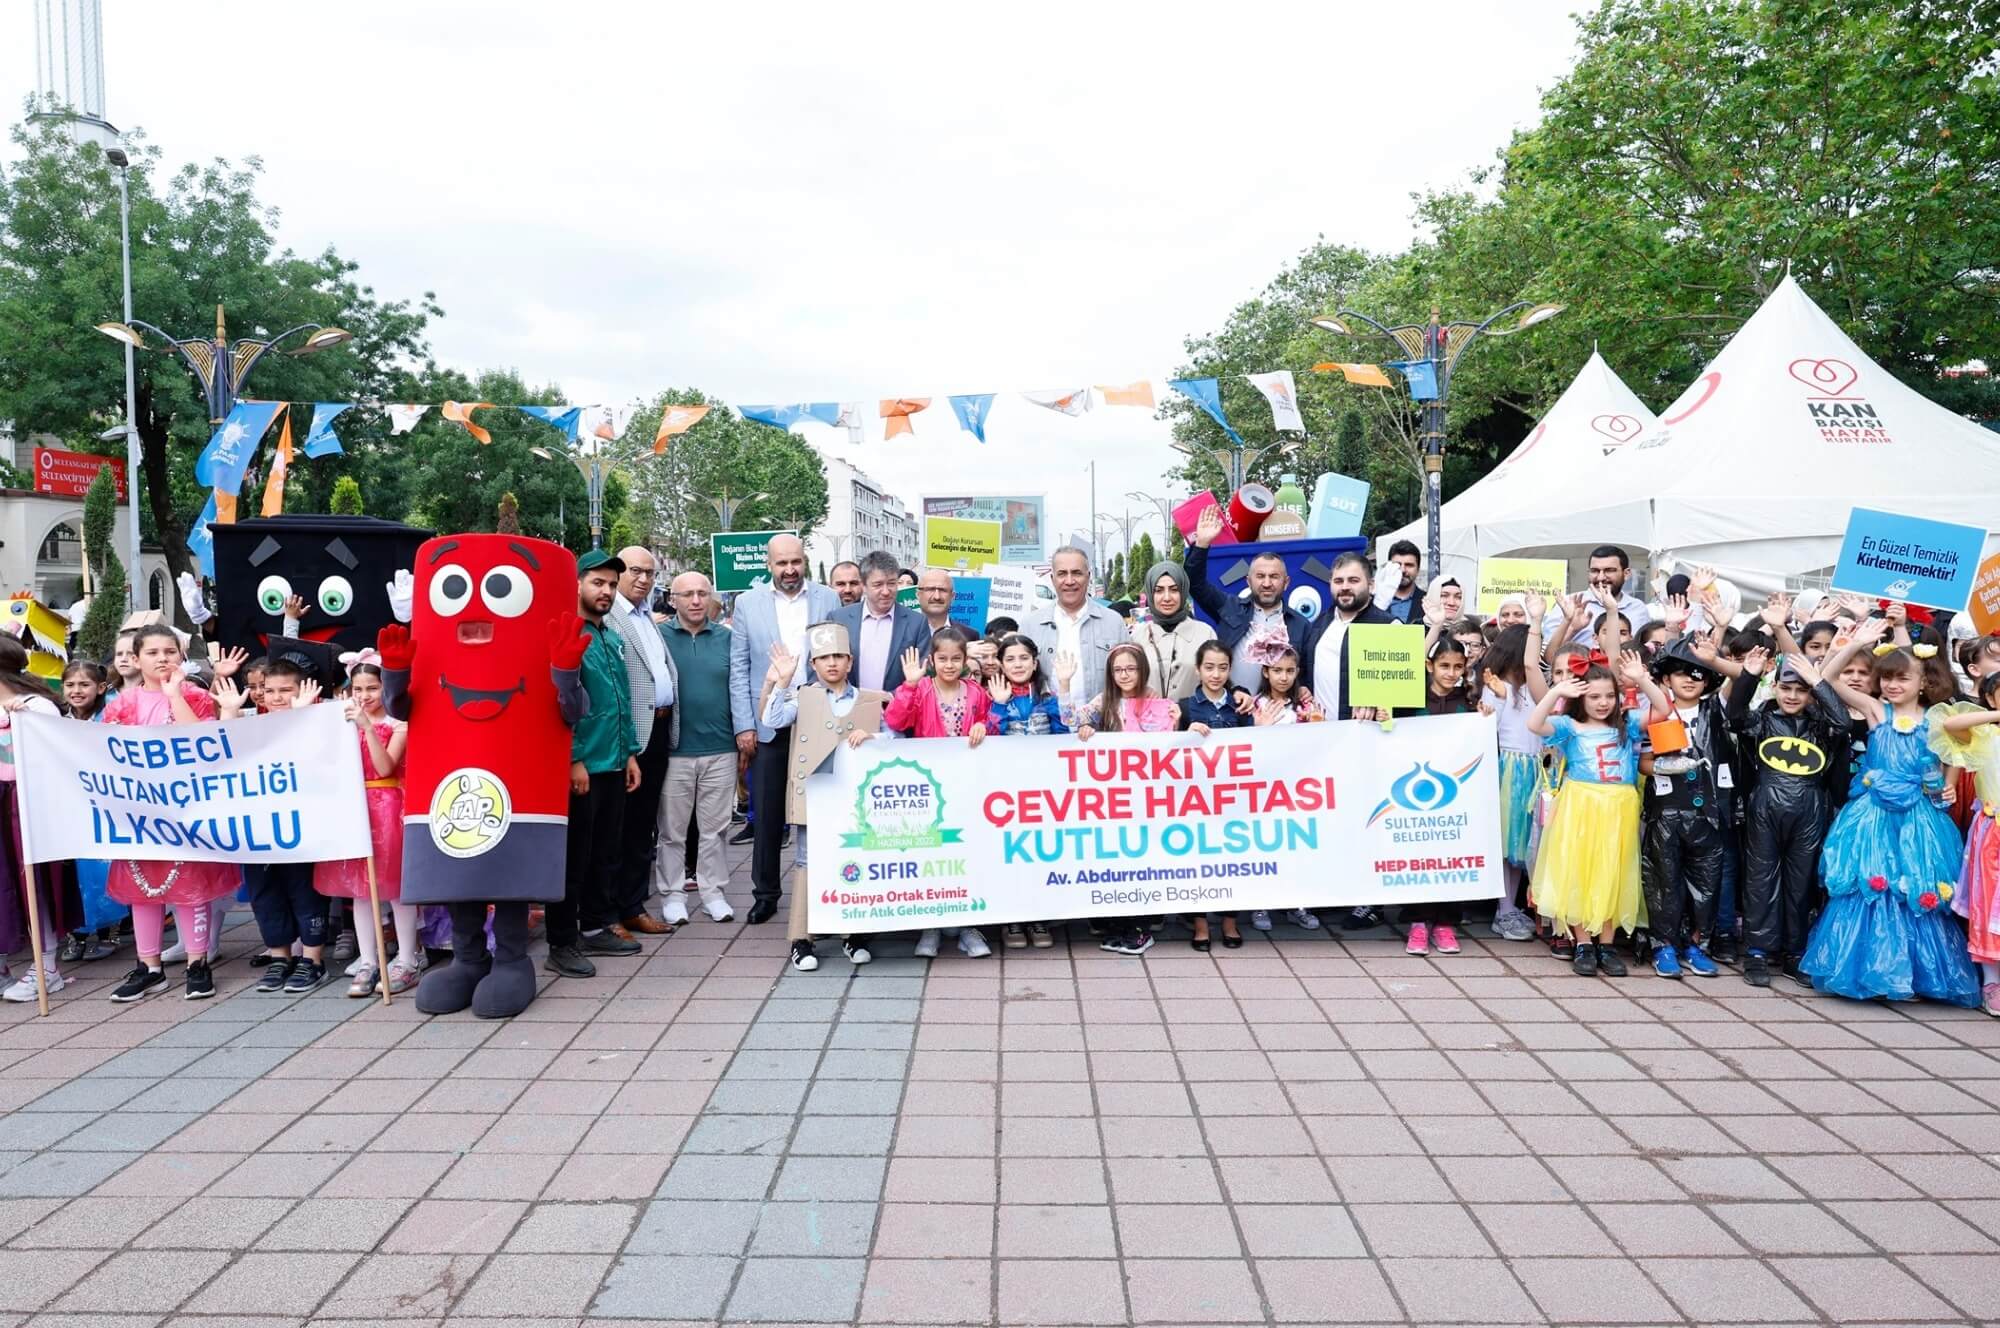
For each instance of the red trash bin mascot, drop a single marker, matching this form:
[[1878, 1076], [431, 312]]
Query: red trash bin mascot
[[486, 676]]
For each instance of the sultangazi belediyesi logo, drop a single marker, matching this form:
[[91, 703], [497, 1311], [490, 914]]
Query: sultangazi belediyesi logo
[[1424, 788]]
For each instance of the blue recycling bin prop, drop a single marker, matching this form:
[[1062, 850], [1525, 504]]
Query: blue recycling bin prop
[[1308, 562]]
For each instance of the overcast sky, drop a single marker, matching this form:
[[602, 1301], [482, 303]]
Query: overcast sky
[[791, 203]]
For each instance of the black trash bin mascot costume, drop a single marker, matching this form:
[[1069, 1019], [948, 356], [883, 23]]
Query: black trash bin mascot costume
[[349, 570], [486, 676]]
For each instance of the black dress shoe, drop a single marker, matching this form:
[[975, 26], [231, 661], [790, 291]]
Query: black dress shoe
[[762, 911], [745, 835]]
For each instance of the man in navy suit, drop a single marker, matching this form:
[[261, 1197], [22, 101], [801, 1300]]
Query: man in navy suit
[[880, 628], [777, 612]]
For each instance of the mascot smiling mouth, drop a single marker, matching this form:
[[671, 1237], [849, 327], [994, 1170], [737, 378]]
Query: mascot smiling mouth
[[480, 704]]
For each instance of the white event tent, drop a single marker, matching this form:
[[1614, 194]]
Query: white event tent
[[1596, 415], [1757, 466]]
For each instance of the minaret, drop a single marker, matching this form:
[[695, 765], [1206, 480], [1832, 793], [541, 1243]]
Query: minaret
[[69, 68]]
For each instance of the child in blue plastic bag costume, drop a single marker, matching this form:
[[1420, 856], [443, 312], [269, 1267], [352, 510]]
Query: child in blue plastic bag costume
[[1892, 858]]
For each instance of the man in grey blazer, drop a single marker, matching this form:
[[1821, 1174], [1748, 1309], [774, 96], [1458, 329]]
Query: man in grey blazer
[[880, 628], [1075, 625], [780, 611]]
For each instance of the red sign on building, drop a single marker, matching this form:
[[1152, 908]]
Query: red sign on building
[[70, 473]]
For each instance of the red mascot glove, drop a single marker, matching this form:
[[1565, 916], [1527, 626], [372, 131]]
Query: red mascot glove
[[568, 640], [397, 650]]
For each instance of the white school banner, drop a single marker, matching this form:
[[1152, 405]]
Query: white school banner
[[271, 788], [911, 834]]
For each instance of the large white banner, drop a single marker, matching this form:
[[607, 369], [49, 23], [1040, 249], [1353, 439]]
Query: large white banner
[[911, 834], [284, 787]]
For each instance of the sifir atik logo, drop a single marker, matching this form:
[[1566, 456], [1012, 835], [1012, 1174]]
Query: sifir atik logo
[[1838, 409]]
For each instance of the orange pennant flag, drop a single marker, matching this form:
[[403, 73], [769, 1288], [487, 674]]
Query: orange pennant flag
[[459, 413], [225, 509], [1132, 394], [897, 410], [1361, 375], [675, 421], [281, 461]]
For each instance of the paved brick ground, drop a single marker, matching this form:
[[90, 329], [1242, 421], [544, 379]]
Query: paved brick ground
[[1306, 1131]]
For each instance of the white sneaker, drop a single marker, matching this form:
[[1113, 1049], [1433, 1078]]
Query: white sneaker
[[857, 953], [1303, 917], [351, 970], [973, 944], [927, 944], [803, 958], [22, 990], [719, 910], [174, 954], [673, 910]]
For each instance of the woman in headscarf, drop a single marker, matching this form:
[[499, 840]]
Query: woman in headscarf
[[1172, 634]]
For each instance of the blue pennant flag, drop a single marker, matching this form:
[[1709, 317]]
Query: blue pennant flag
[[222, 463], [971, 411], [1204, 393], [1420, 375], [201, 541], [322, 441], [778, 417], [566, 418]]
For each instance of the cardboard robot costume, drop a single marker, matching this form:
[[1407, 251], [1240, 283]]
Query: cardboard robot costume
[[487, 677]]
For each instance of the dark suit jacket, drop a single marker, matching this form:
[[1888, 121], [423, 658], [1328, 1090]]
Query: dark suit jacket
[[906, 631], [1231, 613], [1369, 614]]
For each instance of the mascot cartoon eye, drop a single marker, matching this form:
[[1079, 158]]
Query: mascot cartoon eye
[[336, 596], [272, 592], [507, 591], [1792, 756], [1305, 602], [451, 590]]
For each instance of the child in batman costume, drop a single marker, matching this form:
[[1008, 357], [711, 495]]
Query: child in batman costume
[[1789, 741], [487, 678], [1686, 812]]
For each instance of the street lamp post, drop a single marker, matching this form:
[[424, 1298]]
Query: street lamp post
[[117, 157], [726, 507], [1164, 506], [221, 365], [1125, 524], [1440, 344]]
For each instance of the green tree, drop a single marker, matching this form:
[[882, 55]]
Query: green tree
[[1142, 560], [1176, 545], [107, 575], [346, 500], [1697, 151], [1114, 578], [200, 238], [448, 480], [721, 454]]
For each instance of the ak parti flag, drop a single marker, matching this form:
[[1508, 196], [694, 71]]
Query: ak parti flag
[[675, 421], [1063, 400], [1131, 394], [460, 413], [1361, 375], [897, 410], [281, 461]]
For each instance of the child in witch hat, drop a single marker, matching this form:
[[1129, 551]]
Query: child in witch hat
[[1686, 807]]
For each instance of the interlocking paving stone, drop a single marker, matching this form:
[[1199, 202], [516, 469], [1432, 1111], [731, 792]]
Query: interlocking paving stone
[[1315, 1128]]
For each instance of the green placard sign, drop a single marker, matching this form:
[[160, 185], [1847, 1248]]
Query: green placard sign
[[1385, 666], [739, 559]]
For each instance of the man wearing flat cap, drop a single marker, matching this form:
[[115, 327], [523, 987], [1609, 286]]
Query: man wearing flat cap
[[603, 769]]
